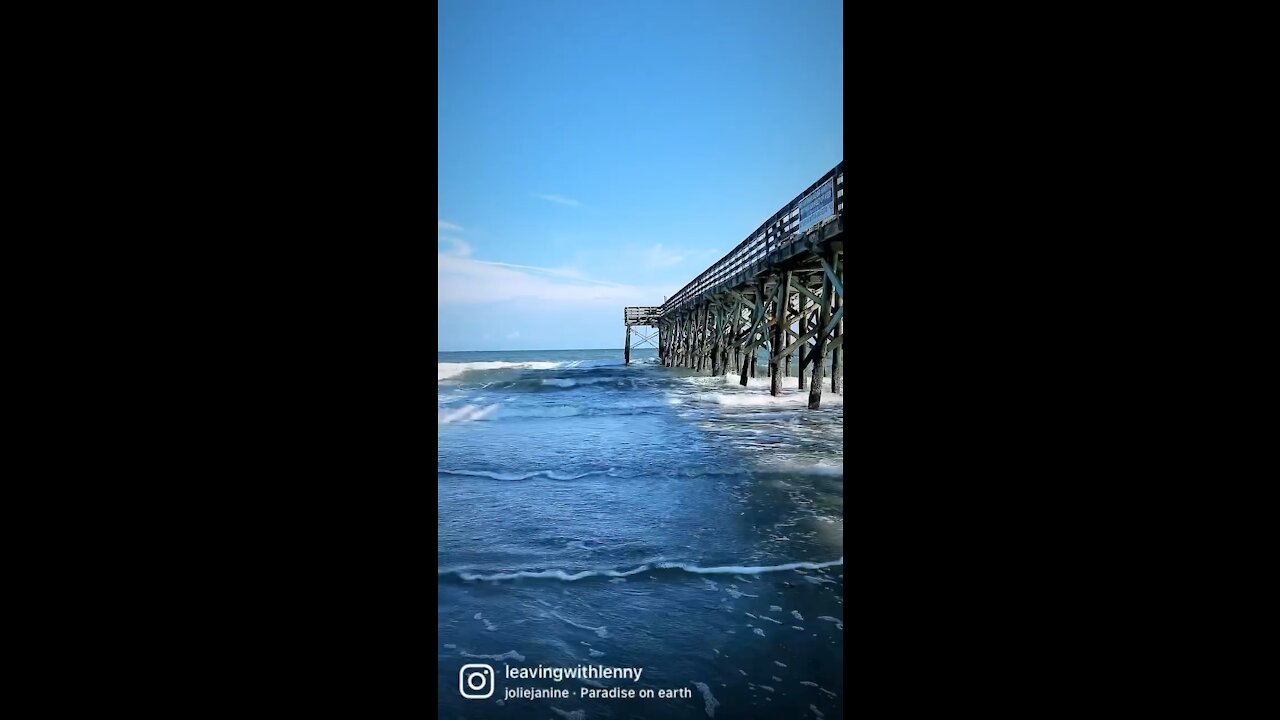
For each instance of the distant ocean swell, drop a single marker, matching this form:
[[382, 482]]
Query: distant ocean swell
[[448, 370]]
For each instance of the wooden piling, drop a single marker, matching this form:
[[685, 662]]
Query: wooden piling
[[803, 327], [837, 366], [698, 340], [686, 358], [819, 350], [780, 324], [715, 341], [626, 349]]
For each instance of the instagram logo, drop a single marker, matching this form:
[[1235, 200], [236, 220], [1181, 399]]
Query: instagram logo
[[475, 681]]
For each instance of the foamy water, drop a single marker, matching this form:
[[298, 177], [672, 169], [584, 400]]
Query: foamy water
[[640, 516]]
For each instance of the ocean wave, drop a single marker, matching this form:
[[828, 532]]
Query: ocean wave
[[467, 574], [466, 413], [575, 382], [498, 411], [550, 474], [613, 472], [798, 398], [448, 370], [803, 467]]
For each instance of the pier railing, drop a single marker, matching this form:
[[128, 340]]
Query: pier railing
[[821, 200], [641, 316]]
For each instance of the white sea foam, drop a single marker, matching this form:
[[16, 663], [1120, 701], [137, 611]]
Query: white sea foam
[[466, 413], [709, 701], [448, 370], [601, 631], [750, 570], [796, 614], [553, 574], [508, 655], [759, 632], [466, 574], [804, 467], [798, 398], [550, 474], [574, 382], [498, 411]]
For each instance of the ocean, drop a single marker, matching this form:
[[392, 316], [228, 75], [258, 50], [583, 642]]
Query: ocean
[[603, 519]]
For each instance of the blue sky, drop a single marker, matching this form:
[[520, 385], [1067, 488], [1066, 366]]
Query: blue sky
[[599, 154]]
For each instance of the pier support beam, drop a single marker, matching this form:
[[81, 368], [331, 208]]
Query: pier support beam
[[804, 348], [820, 350], [762, 310], [697, 339], [715, 344], [837, 366], [626, 349], [780, 325], [686, 356]]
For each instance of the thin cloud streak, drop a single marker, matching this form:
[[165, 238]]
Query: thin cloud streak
[[460, 247], [557, 272], [558, 199], [466, 281], [442, 225], [660, 257]]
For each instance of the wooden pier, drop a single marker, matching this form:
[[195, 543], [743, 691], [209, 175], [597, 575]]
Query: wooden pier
[[782, 288]]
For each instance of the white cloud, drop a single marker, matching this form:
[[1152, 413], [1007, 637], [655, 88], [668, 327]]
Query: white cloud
[[442, 225], [570, 273], [558, 199], [464, 280], [658, 256], [460, 247]]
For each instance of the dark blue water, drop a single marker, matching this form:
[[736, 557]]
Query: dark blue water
[[637, 516]]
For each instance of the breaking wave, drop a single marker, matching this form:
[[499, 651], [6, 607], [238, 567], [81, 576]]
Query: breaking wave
[[497, 411], [551, 474], [466, 574], [448, 370]]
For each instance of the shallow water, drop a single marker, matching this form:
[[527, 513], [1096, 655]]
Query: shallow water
[[637, 516]]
